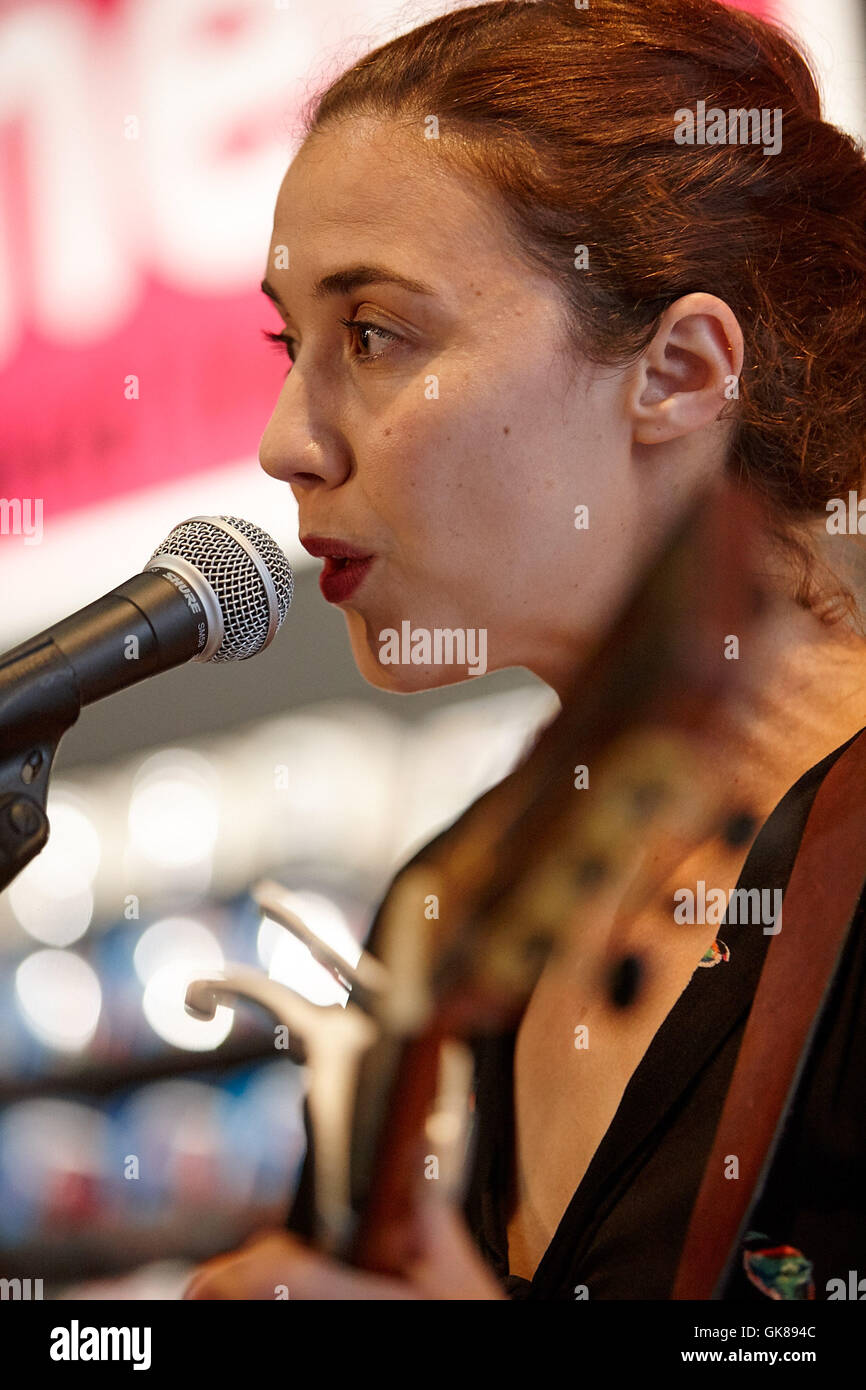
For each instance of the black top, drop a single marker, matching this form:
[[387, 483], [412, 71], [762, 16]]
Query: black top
[[622, 1233]]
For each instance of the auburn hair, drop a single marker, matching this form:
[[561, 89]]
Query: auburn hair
[[567, 116]]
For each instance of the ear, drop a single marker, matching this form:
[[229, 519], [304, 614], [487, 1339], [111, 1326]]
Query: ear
[[687, 373]]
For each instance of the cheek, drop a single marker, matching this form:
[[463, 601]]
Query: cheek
[[479, 473], [420, 481]]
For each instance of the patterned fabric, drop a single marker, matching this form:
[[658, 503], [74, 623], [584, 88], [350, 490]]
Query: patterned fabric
[[715, 953], [779, 1271]]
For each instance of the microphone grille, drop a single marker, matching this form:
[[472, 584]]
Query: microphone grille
[[248, 573]]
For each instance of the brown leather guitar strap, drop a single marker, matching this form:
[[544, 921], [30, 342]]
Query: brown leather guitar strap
[[820, 901]]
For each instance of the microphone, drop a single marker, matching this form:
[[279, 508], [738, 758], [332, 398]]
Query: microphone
[[217, 589]]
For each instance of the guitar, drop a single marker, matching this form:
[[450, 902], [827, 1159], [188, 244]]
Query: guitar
[[468, 925]]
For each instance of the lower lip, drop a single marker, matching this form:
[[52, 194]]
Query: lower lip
[[339, 582]]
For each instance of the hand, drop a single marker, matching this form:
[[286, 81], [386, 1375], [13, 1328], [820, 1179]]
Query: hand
[[448, 1267]]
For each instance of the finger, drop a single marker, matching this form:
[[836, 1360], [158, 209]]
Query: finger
[[279, 1265], [451, 1267]]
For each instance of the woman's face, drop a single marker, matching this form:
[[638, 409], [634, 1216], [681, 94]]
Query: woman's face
[[452, 438]]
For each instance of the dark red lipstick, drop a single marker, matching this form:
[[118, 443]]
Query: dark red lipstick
[[346, 565]]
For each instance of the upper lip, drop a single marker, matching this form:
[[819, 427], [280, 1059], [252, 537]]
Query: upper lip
[[324, 546]]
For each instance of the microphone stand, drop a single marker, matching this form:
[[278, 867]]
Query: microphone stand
[[35, 712]]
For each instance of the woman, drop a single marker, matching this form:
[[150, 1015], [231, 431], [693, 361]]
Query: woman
[[533, 259]]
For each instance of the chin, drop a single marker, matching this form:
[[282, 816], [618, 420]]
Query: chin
[[407, 680], [402, 678]]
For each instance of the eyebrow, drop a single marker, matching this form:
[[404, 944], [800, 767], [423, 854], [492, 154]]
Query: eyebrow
[[344, 281]]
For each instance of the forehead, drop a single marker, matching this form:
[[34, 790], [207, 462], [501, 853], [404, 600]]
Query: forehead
[[368, 191]]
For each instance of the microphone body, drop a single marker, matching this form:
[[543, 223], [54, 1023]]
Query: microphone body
[[143, 626]]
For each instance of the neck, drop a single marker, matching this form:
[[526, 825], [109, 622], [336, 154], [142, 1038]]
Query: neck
[[802, 694], [801, 689]]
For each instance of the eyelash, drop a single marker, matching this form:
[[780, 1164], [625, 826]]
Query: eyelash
[[282, 341]]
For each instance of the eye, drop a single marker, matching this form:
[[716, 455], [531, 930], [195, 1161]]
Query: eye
[[281, 341], [358, 329], [361, 327]]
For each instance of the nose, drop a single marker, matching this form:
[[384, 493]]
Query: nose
[[298, 447]]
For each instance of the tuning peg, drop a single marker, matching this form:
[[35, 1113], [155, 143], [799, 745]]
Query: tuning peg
[[245, 982], [335, 1038], [367, 978]]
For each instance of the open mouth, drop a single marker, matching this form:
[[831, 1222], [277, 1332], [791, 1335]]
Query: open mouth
[[335, 563], [341, 575], [342, 572]]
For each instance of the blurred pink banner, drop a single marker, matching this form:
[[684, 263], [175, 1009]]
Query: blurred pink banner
[[141, 148], [140, 157]]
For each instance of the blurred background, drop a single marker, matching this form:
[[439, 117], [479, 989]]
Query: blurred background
[[142, 144]]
